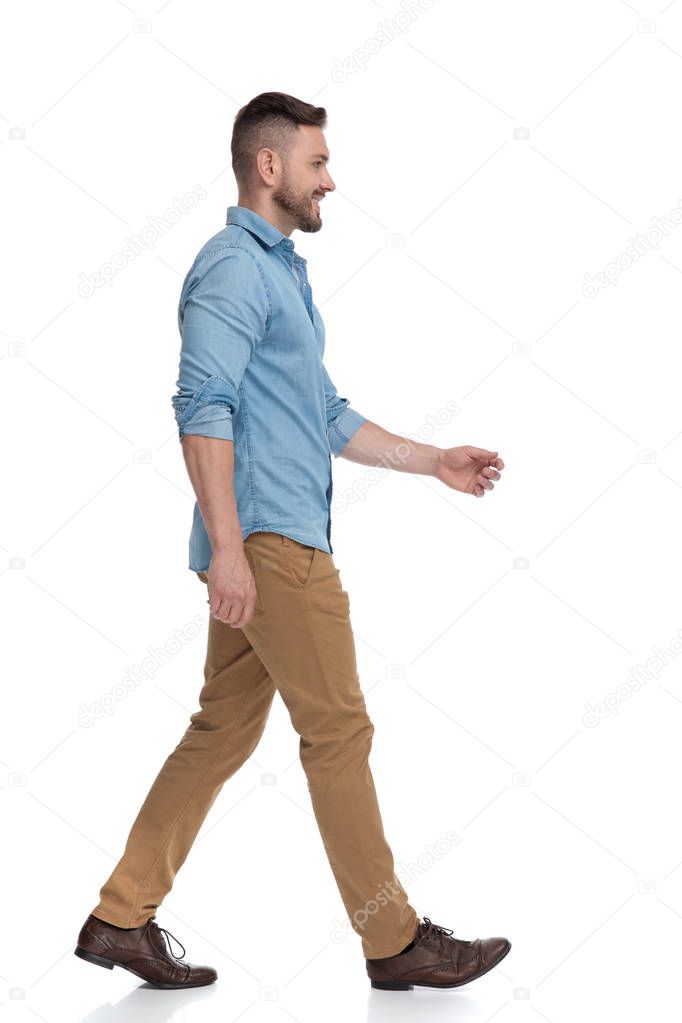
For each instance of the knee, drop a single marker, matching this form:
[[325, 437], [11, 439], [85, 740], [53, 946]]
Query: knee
[[339, 741]]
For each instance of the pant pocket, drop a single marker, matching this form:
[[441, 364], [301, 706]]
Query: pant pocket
[[249, 555], [299, 559]]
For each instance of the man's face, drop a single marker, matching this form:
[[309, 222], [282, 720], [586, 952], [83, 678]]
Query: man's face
[[305, 179]]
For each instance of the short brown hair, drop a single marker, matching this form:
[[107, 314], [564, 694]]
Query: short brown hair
[[269, 120]]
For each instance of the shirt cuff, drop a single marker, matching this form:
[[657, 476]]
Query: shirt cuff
[[209, 421], [341, 429]]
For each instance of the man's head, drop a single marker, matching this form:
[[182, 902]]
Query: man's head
[[279, 158]]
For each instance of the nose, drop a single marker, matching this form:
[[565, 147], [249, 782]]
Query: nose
[[327, 183]]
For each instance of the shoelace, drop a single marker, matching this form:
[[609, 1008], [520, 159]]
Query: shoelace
[[168, 934], [438, 932]]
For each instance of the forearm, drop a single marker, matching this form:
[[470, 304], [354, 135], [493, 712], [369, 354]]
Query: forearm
[[372, 445], [210, 465]]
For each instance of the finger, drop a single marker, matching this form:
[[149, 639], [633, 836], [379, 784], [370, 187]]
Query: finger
[[225, 612], [491, 473], [234, 614], [248, 607], [478, 491], [216, 607], [491, 457], [246, 615], [486, 483], [483, 454], [220, 612]]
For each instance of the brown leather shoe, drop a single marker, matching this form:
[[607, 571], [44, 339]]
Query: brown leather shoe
[[142, 950], [437, 960]]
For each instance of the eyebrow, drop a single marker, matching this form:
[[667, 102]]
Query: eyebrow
[[320, 156]]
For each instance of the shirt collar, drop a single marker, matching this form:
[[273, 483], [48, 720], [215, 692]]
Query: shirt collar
[[262, 228]]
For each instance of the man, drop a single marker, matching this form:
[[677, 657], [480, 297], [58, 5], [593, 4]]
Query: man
[[259, 419]]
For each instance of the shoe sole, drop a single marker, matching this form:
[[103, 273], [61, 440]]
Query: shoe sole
[[108, 964], [408, 985]]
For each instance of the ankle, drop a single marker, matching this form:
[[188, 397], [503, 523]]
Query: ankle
[[116, 927], [411, 944]]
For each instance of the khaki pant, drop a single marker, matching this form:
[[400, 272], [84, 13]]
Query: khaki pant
[[300, 643]]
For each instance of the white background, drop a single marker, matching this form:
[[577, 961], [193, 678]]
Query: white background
[[450, 268]]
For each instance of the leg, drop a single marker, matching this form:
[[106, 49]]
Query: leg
[[303, 636], [235, 701]]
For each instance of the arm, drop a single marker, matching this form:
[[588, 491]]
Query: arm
[[372, 445], [223, 314], [210, 467], [353, 436], [467, 469]]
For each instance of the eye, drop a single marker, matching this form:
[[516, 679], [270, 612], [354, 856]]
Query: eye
[[318, 163]]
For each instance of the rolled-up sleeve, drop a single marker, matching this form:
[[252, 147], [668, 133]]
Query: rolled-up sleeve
[[223, 313], [342, 420]]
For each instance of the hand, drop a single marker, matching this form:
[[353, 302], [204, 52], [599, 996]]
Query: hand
[[471, 470], [231, 587]]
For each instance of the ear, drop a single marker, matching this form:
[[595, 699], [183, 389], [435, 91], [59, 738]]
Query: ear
[[267, 165]]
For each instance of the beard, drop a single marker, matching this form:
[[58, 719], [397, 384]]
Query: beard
[[299, 206]]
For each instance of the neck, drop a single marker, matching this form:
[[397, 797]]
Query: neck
[[265, 209]]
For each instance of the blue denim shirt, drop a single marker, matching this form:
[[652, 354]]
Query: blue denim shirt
[[251, 371]]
